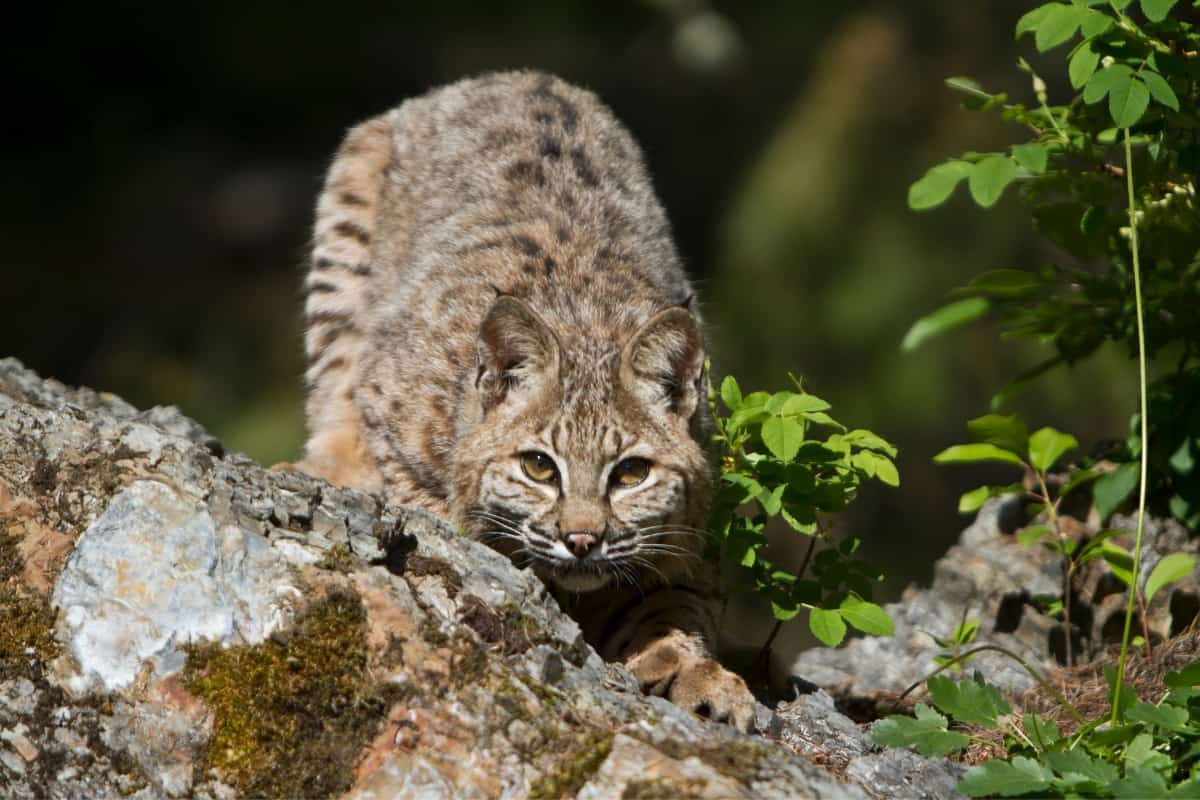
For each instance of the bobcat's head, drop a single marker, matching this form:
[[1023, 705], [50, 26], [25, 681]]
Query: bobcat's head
[[583, 458]]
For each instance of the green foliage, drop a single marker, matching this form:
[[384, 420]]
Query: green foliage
[[1130, 66], [784, 457], [1154, 750]]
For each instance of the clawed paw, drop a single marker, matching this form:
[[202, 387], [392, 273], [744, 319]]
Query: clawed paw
[[706, 688]]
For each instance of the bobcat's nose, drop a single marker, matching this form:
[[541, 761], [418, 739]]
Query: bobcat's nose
[[581, 542]]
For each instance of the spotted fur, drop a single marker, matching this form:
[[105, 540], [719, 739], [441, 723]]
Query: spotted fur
[[494, 277]]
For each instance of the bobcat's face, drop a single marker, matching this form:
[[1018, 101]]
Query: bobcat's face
[[582, 463]]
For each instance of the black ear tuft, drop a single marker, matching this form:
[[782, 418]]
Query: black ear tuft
[[664, 361]]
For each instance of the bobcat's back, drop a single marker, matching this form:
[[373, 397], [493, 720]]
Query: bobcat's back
[[510, 184]]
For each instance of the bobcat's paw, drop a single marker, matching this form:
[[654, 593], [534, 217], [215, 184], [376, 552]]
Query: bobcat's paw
[[675, 668], [705, 687]]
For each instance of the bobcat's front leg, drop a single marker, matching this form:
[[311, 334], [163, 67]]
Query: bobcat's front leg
[[664, 644], [678, 667]]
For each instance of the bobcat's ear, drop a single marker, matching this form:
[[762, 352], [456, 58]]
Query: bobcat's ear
[[516, 351], [663, 363]]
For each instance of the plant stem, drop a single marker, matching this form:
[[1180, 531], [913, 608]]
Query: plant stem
[[1068, 567], [1145, 454], [763, 659], [1072, 710]]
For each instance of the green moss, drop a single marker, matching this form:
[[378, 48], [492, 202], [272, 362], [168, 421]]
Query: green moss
[[663, 789], [417, 564], [26, 620], [291, 717], [338, 559], [574, 768]]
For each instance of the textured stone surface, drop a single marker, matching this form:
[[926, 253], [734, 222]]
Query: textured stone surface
[[995, 579], [157, 566]]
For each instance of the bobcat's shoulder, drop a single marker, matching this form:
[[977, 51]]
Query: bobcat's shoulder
[[499, 329]]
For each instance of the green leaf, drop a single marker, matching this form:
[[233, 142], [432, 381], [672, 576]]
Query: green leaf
[[927, 733], [1077, 478], [783, 437], [1140, 784], [1111, 490], [1127, 101], [1170, 569], [1160, 90], [972, 500], [1077, 762], [1047, 445], [937, 185], [870, 441], [989, 177], [1093, 24], [1083, 64], [866, 617], [1007, 433], [1170, 718], [877, 466], [969, 700], [1102, 82], [827, 626], [731, 394], [970, 453], [772, 501], [1059, 25], [1120, 563], [1001, 283], [1033, 533], [1157, 10], [1020, 776], [946, 318], [751, 488], [1042, 732], [798, 404], [1031, 20], [1188, 676], [1031, 156]]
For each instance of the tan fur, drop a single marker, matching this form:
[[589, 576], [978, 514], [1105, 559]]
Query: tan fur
[[493, 276]]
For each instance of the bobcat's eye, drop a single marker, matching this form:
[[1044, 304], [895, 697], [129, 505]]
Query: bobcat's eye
[[539, 466], [631, 472]]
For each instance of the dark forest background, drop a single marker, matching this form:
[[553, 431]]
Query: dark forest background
[[161, 162]]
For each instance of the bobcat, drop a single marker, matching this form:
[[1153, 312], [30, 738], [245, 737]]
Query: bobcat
[[499, 330]]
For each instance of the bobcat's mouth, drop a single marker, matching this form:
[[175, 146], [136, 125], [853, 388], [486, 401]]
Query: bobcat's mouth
[[576, 576]]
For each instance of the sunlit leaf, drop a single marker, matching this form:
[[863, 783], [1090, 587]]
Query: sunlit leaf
[[1102, 82], [1031, 156], [969, 700], [927, 734], [1160, 90], [989, 177], [866, 617], [968, 453], [1082, 65], [782, 436], [1127, 102], [1170, 569], [731, 394], [937, 185], [1157, 10], [946, 318], [827, 626], [1008, 433], [1047, 445]]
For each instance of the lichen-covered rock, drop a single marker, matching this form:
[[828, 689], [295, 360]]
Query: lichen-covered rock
[[176, 621]]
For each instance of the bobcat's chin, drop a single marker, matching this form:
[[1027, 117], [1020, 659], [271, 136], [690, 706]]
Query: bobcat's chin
[[575, 578]]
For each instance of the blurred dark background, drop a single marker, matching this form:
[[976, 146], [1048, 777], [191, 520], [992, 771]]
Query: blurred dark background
[[162, 161]]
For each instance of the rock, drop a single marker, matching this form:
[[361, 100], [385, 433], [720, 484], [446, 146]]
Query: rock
[[991, 577], [176, 621]]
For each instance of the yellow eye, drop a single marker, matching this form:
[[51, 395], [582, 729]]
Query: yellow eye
[[631, 471], [539, 466]]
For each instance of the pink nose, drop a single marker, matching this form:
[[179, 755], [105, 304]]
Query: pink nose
[[580, 543]]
